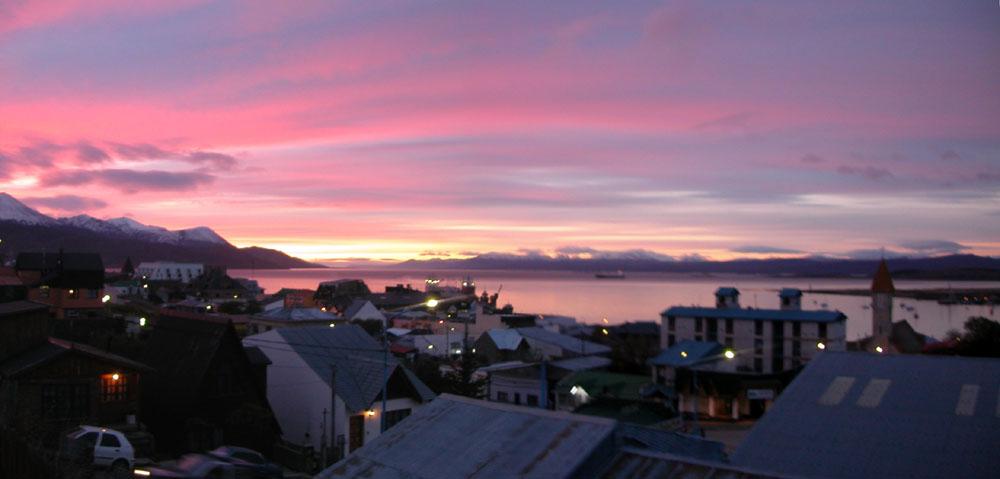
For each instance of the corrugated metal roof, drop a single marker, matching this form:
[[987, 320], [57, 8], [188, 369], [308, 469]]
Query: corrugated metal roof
[[455, 437], [567, 343], [755, 314], [505, 339], [661, 440], [299, 314], [868, 415], [19, 307], [356, 355], [640, 464], [582, 363], [686, 353]]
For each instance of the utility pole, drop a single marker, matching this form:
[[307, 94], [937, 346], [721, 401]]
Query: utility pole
[[333, 414], [322, 440], [385, 371]]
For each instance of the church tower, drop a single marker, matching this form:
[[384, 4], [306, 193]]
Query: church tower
[[882, 292]]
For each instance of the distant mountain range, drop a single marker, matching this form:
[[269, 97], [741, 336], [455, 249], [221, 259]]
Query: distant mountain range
[[953, 267], [24, 229]]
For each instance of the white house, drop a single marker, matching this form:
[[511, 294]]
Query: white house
[[168, 271], [362, 310], [764, 340], [315, 370]]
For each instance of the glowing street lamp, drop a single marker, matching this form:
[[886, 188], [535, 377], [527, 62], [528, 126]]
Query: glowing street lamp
[[820, 346], [432, 303], [106, 298]]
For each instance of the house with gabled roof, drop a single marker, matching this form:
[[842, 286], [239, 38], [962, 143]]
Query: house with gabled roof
[[457, 437], [326, 384], [204, 391]]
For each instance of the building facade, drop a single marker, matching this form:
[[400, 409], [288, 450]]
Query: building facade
[[169, 271], [764, 340]]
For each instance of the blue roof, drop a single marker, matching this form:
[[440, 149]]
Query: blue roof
[[756, 314], [727, 291], [695, 351], [869, 415], [790, 293]]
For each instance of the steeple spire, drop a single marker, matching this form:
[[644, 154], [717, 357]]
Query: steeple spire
[[882, 282]]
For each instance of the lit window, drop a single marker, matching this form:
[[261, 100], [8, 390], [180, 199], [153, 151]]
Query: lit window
[[114, 387]]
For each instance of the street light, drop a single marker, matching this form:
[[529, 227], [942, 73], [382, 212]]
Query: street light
[[432, 303]]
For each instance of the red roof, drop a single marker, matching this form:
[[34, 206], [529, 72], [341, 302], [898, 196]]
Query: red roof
[[882, 282]]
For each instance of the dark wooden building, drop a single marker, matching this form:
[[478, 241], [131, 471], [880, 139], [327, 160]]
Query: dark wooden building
[[205, 391], [72, 284], [48, 385]]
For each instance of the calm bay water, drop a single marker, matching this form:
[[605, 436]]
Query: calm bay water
[[642, 296]]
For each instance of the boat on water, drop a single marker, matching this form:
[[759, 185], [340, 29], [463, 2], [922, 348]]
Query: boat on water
[[610, 275]]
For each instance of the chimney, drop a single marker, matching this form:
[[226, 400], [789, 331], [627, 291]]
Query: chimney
[[791, 299], [727, 297]]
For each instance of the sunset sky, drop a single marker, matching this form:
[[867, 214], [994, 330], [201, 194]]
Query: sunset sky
[[395, 130]]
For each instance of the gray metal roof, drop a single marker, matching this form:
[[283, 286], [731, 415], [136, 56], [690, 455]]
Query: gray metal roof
[[299, 314], [864, 415], [456, 437], [633, 463], [582, 363], [15, 308], [567, 343], [661, 440], [756, 314], [357, 357]]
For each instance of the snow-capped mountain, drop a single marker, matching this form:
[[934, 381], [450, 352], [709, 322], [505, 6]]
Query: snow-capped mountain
[[13, 210], [23, 229]]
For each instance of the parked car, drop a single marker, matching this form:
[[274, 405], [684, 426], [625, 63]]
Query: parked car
[[192, 466], [100, 447], [248, 460]]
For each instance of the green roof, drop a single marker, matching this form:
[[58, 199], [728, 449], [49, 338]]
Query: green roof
[[604, 384]]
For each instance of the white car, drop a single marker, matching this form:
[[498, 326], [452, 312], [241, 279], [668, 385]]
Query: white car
[[101, 447]]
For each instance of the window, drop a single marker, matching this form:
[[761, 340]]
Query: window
[[43, 292], [796, 349], [698, 337], [796, 329], [729, 342], [74, 294], [112, 389], [517, 398], [713, 329], [671, 339], [698, 326], [671, 323], [758, 328], [729, 326], [109, 440], [92, 293], [393, 417], [758, 365], [531, 400], [822, 330], [502, 396], [758, 346]]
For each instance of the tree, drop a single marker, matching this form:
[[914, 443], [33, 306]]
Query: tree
[[981, 338], [127, 269], [462, 381]]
